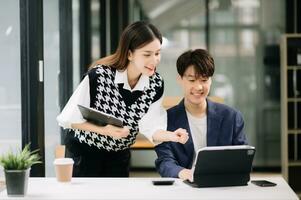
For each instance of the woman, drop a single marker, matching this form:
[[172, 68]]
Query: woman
[[126, 85]]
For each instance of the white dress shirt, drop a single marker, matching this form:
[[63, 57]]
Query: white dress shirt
[[155, 118]]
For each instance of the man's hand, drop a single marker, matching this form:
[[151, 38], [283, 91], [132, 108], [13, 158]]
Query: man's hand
[[186, 174], [116, 132]]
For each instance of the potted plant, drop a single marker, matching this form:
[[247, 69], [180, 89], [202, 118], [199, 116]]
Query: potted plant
[[16, 169]]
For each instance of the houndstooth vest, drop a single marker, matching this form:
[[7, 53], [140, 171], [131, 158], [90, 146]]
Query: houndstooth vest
[[105, 96]]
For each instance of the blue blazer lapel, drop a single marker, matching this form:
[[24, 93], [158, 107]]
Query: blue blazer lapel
[[213, 124], [183, 120]]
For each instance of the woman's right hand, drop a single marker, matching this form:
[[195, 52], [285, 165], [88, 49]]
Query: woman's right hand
[[115, 132], [110, 130]]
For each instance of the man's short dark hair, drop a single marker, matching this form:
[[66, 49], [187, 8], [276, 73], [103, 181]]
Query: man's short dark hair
[[200, 59]]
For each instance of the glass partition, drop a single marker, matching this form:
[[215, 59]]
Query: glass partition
[[51, 90], [10, 86], [244, 40]]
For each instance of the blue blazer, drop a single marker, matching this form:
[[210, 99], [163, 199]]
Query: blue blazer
[[224, 127]]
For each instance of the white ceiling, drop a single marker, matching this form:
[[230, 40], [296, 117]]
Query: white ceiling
[[166, 14]]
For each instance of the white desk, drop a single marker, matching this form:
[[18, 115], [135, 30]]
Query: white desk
[[142, 188]]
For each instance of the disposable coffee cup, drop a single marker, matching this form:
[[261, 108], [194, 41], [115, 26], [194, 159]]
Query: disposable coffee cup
[[63, 169]]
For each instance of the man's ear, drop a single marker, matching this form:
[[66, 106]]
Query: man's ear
[[179, 79], [130, 55]]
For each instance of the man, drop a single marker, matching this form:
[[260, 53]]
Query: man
[[208, 123]]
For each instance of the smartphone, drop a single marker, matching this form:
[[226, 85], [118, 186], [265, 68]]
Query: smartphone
[[263, 183], [163, 182]]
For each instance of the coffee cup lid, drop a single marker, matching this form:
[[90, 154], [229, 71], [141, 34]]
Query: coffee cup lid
[[63, 161]]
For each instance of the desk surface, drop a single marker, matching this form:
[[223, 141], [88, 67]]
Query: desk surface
[[142, 188]]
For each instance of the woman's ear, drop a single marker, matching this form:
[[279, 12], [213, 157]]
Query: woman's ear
[[130, 55]]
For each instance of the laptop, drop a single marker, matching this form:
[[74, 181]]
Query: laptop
[[220, 166], [99, 118]]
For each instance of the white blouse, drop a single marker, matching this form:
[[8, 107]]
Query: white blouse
[[155, 118]]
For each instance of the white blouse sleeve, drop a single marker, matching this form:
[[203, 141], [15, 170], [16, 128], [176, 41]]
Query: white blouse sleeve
[[155, 119], [71, 113]]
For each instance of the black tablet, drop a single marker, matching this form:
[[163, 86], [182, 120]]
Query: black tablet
[[99, 118], [219, 166]]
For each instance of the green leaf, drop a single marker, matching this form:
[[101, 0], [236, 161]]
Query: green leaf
[[21, 160]]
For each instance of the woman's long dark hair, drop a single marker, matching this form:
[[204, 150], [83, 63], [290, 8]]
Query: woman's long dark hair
[[134, 36]]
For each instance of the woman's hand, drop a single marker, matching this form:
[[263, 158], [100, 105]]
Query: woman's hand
[[110, 130], [115, 132], [180, 135]]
